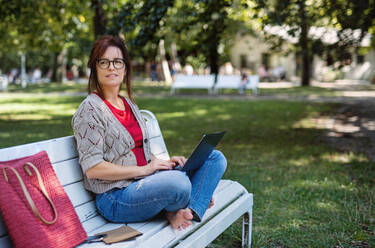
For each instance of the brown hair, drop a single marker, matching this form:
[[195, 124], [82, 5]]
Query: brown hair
[[99, 48]]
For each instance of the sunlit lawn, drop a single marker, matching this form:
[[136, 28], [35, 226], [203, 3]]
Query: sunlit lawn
[[48, 87], [149, 87], [71, 87], [305, 193]]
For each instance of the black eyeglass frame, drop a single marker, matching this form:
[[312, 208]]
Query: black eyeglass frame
[[109, 63]]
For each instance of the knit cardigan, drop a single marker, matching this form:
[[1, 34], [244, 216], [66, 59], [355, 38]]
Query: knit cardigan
[[101, 137]]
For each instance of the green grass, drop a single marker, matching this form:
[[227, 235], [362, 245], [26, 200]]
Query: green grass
[[71, 87], [305, 193], [301, 91], [147, 87], [48, 88]]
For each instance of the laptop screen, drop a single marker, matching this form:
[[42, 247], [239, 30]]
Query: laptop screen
[[202, 151]]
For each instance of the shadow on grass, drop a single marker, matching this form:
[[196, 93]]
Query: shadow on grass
[[300, 91]]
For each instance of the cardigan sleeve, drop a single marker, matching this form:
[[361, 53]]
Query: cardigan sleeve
[[89, 134]]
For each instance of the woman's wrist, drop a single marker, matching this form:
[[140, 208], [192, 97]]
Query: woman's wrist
[[145, 170]]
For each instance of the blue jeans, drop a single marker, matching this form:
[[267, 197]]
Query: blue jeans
[[169, 190]]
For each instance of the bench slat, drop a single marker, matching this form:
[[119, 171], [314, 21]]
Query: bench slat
[[148, 230], [59, 149], [94, 223], [222, 185], [87, 211], [68, 171], [157, 145], [77, 194], [152, 126]]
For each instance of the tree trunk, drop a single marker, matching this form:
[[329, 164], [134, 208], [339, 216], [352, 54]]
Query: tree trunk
[[214, 60], [23, 70], [100, 19], [303, 41], [54, 68], [61, 69], [164, 64]]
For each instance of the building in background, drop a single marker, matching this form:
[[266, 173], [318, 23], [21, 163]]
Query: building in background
[[254, 53]]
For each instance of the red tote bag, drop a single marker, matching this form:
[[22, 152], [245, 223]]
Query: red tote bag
[[35, 207]]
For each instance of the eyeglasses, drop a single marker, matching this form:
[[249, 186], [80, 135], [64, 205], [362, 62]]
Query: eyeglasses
[[105, 63]]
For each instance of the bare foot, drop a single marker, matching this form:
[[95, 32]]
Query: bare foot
[[180, 219], [212, 202]]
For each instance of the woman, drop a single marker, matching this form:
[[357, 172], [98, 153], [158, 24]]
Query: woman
[[114, 151]]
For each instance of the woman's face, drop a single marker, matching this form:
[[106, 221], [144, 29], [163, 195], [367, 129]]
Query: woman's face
[[111, 68]]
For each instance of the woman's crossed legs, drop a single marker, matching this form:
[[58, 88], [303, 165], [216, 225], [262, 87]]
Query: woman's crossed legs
[[183, 197]]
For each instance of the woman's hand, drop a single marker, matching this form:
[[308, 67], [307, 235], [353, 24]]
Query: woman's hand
[[158, 164], [178, 160]]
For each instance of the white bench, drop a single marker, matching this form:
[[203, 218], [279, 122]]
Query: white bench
[[3, 82], [193, 82], [207, 82], [233, 82], [231, 199]]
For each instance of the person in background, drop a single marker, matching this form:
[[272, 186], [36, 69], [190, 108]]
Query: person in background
[[36, 75], [263, 75], [153, 72], [188, 69], [130, 183], [243, 83]]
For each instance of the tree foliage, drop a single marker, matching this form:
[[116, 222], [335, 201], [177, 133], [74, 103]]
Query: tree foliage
[[42, 29], [350, 16], [298, 16], [199, 29]]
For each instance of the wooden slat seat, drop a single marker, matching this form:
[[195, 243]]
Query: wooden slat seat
[[231, 199]]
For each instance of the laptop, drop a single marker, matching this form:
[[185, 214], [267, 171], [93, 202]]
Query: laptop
[[201, 151]]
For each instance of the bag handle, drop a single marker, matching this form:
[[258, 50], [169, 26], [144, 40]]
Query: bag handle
[[27, 194]]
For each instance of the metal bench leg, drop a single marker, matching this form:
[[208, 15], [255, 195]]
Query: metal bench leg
[[246, 229]]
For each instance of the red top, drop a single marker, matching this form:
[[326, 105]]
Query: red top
[[127, 119]]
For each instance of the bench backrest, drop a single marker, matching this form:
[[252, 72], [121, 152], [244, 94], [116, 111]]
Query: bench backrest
[[193, 81], [3, 82], [64, 158], [233, 81], [253, 81], [228, 81]]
